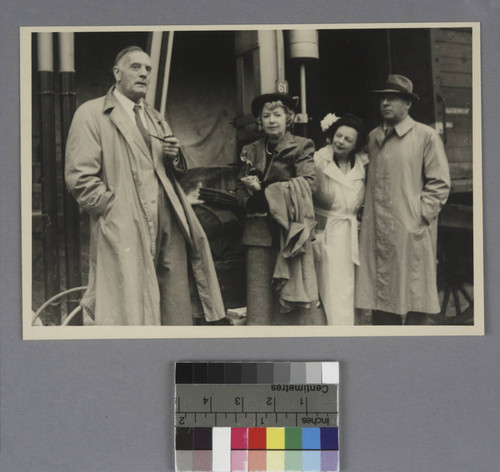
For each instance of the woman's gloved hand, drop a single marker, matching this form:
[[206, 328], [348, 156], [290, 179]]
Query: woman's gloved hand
[[257, 203]]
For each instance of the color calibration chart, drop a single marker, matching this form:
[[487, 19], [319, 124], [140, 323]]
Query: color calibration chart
[[256, 416]]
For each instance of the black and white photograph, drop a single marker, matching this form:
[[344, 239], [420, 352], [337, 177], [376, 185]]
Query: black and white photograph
[[253, 181]]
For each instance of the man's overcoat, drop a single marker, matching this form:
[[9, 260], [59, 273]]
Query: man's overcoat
[[115, 178], [408, 183]]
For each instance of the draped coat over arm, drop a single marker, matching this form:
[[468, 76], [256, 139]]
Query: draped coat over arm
[[115, 178]]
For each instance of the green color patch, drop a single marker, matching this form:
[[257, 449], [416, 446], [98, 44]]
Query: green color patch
[[293, 438]]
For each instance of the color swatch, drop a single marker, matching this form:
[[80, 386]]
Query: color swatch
[[256, 416]]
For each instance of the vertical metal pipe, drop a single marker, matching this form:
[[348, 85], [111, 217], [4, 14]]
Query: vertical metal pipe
[[389, 53], [268, 62], [280, 56], [67, 103], [45, 52], [154, 53], [166, 77], [66, 52], [303, 46], [303, 96], [303, 99], [48, 169]]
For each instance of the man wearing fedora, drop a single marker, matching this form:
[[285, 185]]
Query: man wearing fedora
[[408, 182]]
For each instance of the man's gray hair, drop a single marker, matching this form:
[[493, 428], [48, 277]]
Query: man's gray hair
[[125, 51]]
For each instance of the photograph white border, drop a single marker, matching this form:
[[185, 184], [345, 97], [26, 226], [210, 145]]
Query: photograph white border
[[151, 332]]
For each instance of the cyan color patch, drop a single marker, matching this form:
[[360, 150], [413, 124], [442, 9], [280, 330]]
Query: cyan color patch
[[311, 438]]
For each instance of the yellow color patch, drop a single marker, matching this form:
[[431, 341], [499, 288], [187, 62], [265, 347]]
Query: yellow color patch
[[275, 438], [276, 460]]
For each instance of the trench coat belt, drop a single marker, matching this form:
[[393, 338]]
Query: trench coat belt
[[332, 216]]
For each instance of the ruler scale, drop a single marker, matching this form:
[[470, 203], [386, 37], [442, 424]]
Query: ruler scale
[[256, 416]]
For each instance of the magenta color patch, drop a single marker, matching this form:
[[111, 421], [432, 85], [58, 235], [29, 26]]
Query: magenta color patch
[[239, 461], [239, 438], [202, 461]]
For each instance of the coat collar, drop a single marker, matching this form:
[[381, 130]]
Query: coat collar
[[332, 171], [401, 129], [122, 121], [110, 101], [286, 142], [405, 126]]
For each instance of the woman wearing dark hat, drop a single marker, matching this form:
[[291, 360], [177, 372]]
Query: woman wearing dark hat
[[277, 169], [340, 174]]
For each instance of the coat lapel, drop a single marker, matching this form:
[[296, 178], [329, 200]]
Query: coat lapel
[[286, 142], [332, 171], [129, 131], [259, 157], [156, 145], [170, 185], [259, 150], [401, 129], [379, 136], [358, 171]]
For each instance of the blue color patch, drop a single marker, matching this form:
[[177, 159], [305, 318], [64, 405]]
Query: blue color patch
[[311, 438]]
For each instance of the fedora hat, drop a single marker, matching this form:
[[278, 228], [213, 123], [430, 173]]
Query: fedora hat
[[259, 102], [399, 84]]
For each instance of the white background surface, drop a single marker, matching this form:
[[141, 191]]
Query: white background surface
[[407, 404]]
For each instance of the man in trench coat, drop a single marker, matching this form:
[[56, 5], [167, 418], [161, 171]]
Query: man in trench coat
[[408, 182], [150, 262]]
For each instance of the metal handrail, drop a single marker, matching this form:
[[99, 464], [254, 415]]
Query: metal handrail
[[53, 299]]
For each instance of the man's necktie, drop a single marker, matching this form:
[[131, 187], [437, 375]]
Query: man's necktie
[[141, 127], [388, 133]]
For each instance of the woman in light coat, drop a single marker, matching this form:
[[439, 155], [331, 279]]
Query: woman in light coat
[[340, 173]]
